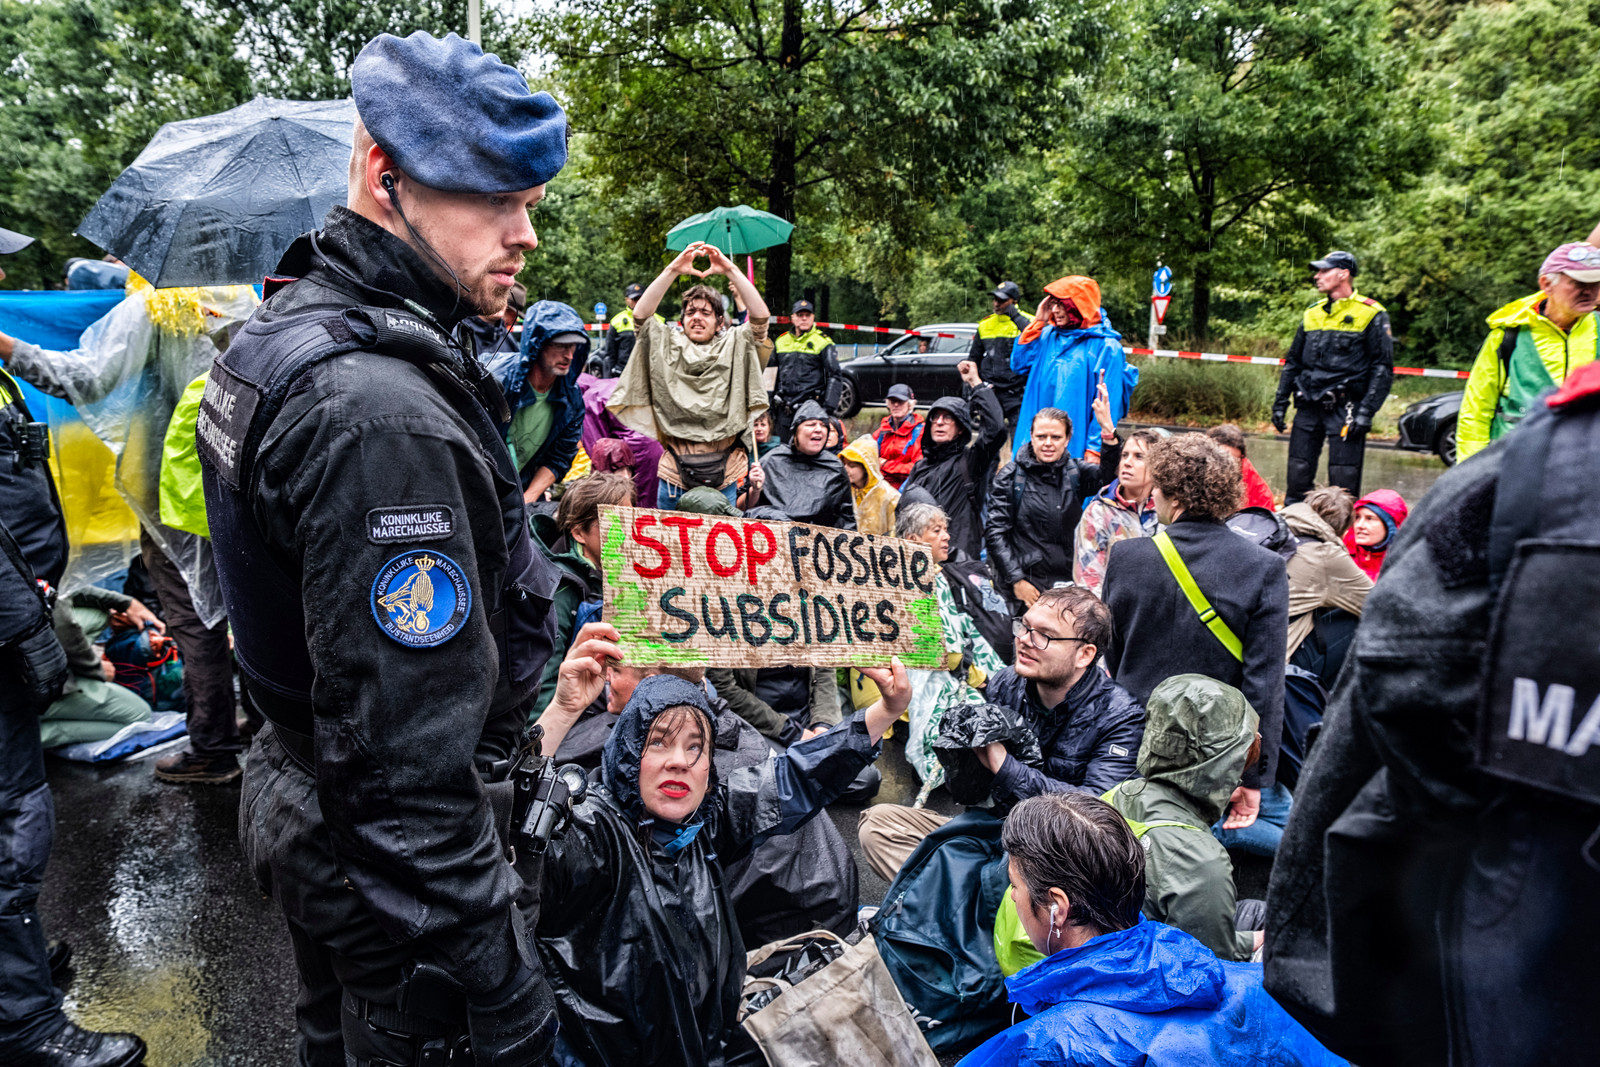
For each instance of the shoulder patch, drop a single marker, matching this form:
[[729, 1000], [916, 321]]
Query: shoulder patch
[[421, 598], [417, 522]]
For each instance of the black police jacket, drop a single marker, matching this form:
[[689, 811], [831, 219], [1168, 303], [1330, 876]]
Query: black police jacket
[[385, 598], [28, 501], [991, 351], [955, 473], [1034, 508], [1343, 353], [1448, 806]]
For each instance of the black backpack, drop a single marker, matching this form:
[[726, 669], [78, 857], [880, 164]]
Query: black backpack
[[977, 596]]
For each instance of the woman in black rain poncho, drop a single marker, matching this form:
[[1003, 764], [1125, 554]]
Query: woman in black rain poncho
[[636, 932]]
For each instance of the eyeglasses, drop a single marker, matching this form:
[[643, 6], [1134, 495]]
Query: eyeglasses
[[1035, 639]]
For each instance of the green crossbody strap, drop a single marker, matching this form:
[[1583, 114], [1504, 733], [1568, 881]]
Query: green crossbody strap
[[1197, 599]]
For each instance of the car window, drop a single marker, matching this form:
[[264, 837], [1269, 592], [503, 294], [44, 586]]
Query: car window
[[906, 346], [960, 342]]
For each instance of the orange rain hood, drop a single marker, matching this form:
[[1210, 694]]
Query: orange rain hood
[[1083, 293]]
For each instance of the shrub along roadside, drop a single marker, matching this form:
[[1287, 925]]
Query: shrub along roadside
[[1194, 393]]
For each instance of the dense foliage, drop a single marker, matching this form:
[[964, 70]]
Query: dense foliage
[[927, 149]]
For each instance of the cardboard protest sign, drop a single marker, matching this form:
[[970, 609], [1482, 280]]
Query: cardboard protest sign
[[685, 589]]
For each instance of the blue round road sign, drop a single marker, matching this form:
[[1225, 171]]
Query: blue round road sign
[[1161, 282], [599, 310]]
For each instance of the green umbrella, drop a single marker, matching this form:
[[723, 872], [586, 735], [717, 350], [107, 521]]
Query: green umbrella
[[737, 231]]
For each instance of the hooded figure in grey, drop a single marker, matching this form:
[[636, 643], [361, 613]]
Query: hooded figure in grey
[[808, 488]]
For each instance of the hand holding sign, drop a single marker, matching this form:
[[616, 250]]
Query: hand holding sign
[[700, 589], [894, 696], [580, 681]]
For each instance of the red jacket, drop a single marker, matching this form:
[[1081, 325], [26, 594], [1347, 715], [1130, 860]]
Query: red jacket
[[899, 448], [1257, 493]]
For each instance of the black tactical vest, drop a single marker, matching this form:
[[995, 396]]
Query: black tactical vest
[[261, 588]]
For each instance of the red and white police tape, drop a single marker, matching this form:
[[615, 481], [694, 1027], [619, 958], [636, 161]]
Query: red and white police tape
[[1269, 361], [1168, 353]]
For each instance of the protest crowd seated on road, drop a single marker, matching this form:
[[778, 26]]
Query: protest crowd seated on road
[[677, 720]]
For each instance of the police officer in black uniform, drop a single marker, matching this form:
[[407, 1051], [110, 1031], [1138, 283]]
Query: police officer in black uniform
[[390, 613], [991, 350], [34, 1032], [1338, 370], [808, 369], [1436, 896]]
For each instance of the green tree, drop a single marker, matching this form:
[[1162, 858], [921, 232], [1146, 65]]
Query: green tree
[[88, 84], [868, 111], [303, 49], [1514, 91], [1225, 137]]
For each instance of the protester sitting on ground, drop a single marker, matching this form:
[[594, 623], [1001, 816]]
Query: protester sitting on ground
[[1245, 592], [1534, 342], [571, 540], [599, 424], [1115, 988], [1322, 573], [1121, 510], [1065, 352], [837, 436], [642, 854], [490, 335], [1257, 493], [786, 885], [92, 706], [696, 389], [540, 382], [1036, 502], [899, 435], [1378, 517], [873, 498], [969, 659], [1088, 727], [957, 458], [1198, 737], [803, 479]]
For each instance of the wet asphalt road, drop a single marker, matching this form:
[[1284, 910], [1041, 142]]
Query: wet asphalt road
[[170, 937]]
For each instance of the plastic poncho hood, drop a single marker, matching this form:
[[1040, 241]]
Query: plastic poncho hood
[[1075, 289], [957, 409], [619, 764], [1196, 735], [544, 320], [1389, 506]]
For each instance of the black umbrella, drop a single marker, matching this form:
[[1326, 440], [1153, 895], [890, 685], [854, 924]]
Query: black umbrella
[[217, 200]]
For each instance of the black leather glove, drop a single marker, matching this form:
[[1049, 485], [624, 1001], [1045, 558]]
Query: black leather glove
[[1278, 422], [43, 664], [517, 1030], [1361, 423]]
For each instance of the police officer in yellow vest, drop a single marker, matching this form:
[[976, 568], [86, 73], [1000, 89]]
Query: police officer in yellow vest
[[808, 369], [1338, 370], [991, 349], [623, 334], [1534, 342]]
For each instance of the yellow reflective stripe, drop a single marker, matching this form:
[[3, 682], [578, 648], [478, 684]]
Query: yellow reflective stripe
[[997, 326], [1354, 307], [1197, 599], [812, 341], [622, 321]]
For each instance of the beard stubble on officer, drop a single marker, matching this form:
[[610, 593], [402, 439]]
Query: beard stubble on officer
[[480, 237]]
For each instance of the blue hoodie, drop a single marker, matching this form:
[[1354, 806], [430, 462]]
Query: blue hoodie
[[544, 320], [1147, 995], [1063, 370]]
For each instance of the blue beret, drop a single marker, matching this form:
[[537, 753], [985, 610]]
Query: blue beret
[[454, 118]]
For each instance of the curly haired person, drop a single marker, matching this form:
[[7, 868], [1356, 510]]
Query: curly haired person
[[1159, 631]]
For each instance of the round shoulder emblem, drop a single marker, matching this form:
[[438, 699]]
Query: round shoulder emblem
[[421, 598]]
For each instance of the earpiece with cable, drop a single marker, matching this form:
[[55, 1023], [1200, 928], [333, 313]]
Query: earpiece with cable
[[386, 179]]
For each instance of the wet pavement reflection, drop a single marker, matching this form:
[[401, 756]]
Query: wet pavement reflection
[[170, 937]]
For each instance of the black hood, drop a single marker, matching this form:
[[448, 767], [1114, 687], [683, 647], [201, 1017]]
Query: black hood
[[957, 409], [619, 766]]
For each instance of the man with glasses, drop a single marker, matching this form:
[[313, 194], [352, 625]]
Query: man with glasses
[[1089, 728]]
